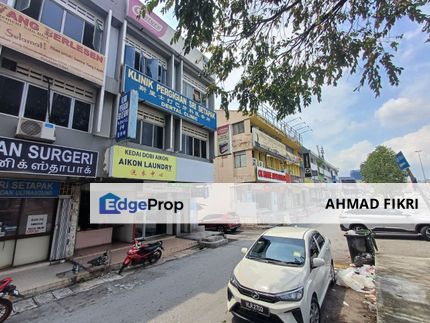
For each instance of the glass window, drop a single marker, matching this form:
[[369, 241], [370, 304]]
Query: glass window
[[9, 215], [320, 240], [239, 159], [41, 209], [313, 249], [137, 61], [10, 95], [60, 110], [189, 146], [92, 36], [81, 116], [204, 143], [52, 15], [73, 27], [147, 133], [158, 137], [196, 147], [238, 128], [29, 8], [277, 250], [35, 106]]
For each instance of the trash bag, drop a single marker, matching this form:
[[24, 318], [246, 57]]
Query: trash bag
[[359, 280]]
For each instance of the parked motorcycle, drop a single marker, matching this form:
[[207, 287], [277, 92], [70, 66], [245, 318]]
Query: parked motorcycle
[[7, 290], [141, 253]]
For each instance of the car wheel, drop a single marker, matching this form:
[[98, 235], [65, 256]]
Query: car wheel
[[332, 274], [220, 228], [314, 315], [425, 232]]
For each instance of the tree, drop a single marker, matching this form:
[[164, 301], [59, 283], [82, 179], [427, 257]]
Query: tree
[[286, 50], [381, 167]]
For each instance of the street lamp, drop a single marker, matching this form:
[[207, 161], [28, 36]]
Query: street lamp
[[422, 167]]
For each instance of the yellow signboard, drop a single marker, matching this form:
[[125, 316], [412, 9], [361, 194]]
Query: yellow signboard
[[30, 37], [141, 164]]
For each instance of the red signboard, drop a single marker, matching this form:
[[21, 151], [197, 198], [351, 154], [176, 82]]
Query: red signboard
[[268, 175]]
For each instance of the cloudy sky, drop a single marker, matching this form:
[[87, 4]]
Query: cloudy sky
[[349, 125]]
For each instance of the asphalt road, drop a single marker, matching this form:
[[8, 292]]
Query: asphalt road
[[190, 289]]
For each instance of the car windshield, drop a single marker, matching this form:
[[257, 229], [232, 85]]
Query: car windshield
[[278, 250]]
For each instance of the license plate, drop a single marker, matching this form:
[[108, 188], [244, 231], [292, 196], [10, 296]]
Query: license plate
[[255, 308]]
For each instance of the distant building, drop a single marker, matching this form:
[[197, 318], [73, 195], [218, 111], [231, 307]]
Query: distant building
[[322, 171], [347, 180], [356, 174]]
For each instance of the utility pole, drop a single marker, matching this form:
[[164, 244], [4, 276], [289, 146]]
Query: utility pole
[[421, 163]]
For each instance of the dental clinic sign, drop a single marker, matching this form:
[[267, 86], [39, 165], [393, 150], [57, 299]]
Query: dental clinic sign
[[167, 99], [21, 156]]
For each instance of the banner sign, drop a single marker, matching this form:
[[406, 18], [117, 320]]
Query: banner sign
[[21, 156], [141, 164], [266, 142], [401, 161], [269, 175], [23, 188], [167, 99], [223, 139], [126, 124], [307, 165], [32, 38]]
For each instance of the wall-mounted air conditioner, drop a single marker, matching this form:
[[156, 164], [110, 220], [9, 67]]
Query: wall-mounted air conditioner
[[35, 130]]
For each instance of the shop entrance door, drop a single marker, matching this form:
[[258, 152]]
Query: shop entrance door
[[60, 239]]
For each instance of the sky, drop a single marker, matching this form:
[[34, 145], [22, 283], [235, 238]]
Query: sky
[[349, 125]]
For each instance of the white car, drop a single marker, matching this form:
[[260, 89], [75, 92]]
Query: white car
[[283, 277]]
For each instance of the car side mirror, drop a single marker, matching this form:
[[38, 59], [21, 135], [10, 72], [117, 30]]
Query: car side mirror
[[318, 262], [244, 250]]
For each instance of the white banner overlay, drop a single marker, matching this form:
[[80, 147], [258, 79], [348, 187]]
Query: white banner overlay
[[260, 203]]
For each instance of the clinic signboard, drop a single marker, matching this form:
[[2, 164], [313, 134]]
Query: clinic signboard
[[21, 156], [126, 162], [163, 97], [126, 125], [269, 175], [32, 38], [16, 188]]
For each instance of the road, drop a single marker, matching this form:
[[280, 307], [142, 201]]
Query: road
[[192, 289]]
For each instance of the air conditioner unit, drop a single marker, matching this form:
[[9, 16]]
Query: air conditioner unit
[[35, 130]]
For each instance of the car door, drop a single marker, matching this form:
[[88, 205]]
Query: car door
[[316, 275], [324, 253]]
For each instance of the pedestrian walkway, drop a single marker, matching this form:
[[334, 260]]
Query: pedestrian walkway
[[38, 278], [402, 287]]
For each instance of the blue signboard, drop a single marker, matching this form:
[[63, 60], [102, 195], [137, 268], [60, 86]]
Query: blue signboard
[[126, 124], [401, 160], [23, 188], [167, 99]]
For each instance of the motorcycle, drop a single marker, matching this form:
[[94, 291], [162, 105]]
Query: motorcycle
[[6, 291], [141, 253]]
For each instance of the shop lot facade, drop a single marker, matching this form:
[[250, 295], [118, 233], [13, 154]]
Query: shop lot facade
[[64, 67]]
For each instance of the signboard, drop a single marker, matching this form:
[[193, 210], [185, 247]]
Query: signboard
[[21, 156], [401, 161], [24, 188], [32, 38], [269, 175], [141, 164], [167, 99], [307, 165], [223, 140], [266, 142], [126, 124], [36, 224]]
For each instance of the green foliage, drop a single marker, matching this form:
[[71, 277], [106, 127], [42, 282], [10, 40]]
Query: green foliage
[[381, 167], [286, 50]]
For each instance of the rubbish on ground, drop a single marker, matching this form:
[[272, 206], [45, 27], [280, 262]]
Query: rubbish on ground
[[345, 303], [359, 279]]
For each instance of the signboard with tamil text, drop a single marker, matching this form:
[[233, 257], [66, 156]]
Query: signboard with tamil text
[[32, 38], [167, 99], [133, 163]]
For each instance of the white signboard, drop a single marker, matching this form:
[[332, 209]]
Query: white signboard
[[36, 223]]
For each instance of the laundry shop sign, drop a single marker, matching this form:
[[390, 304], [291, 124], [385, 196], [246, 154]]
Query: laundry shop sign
[[21, 156]]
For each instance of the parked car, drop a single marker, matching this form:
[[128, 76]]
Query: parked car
[[385, 221], [221, 222], [283, 277]]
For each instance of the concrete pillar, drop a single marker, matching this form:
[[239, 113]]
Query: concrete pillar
[[74, 215]]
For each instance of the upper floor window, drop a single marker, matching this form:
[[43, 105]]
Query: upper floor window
[[240, 159], [148, 66], [149, 134], [194, 94], [194, 146], [55, 16], [238, 128], [33, 100]]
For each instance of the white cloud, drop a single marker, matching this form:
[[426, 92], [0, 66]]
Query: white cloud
[[403, 111], [351, 158], [409, 144]]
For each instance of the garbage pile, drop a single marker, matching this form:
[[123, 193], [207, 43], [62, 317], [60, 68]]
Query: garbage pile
[[360, 279]]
